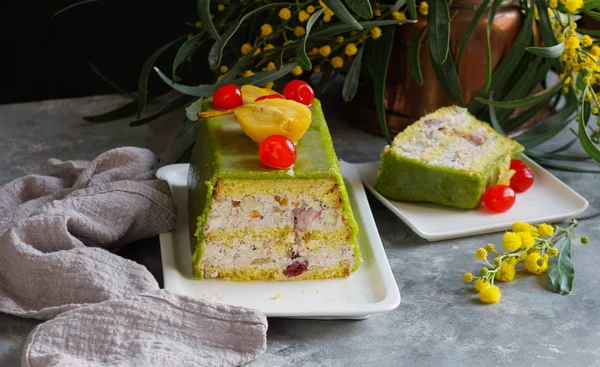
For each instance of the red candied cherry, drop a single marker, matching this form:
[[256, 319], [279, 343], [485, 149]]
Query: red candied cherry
[[277, 151], [499, 198], [296, 268], [299, 91], [227, 97], [270, 96], [523, 177]]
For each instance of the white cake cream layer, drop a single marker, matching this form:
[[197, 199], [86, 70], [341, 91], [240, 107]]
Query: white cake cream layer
[[449, 141], [264, 253], [260, 212]]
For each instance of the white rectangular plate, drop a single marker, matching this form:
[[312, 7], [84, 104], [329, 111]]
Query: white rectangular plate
[[548, 200], [369, 290]]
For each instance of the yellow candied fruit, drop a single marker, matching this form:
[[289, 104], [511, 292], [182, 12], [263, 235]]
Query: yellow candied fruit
[[274, 117]]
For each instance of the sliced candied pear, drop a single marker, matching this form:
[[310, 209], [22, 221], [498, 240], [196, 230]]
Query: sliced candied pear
[[251, 92], [274, 117]]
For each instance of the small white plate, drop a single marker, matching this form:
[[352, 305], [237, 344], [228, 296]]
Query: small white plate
[[547, 200], [369, 290]]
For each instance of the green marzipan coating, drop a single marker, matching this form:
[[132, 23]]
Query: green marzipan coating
[[222, 150], [407, 179]]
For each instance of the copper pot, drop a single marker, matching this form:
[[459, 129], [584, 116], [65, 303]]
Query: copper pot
[[406, 100]]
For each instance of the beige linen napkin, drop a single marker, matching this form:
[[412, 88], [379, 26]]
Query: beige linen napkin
[[55, 233]]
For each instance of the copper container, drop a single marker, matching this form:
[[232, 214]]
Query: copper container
[[406, 100]]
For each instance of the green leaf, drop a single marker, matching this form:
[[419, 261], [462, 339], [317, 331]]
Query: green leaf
[[116, 114], [590, 32], [591, 4], [592, 14], [565, 146], [353, 77], [72, 6], [548, 37], [216, 52], [588, 145], [524, 86], [557, 156], [208, 90], [412, 9], [264, 77], [191, 112], [494, 119], [540, 97], [560, 267], [108, 81], [383, 46], [465, 39], [301, 56], [170, 106], [186, 49], [439, 30], [507, 67], [183, 140], [549, 51], [448, 78], [570, 168], [414, 62], [336, 29], [341, 12], [207, 23], [145, 73], [361, 7], [328, 75], [549, 127], [399, 3], [488, 55]]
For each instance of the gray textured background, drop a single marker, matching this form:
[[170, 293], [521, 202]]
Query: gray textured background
[[440, 320]]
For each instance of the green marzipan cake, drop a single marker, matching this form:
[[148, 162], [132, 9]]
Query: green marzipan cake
[[447, 157], [252, 222]]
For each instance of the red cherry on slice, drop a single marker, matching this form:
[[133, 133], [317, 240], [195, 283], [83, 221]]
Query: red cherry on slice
[[299, 91], [277, 151], [499, 198], [227, 97], [270, 96], [523, 177]]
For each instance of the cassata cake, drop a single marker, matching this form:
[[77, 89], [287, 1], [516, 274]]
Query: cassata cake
[[252, 222], [447, 157]]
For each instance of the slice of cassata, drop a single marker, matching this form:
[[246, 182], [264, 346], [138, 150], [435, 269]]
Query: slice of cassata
[[448, 157], [252, 222]]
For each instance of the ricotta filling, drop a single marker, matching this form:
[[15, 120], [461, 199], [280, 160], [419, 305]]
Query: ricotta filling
[[244, 253], [448, 142], [262, 212]]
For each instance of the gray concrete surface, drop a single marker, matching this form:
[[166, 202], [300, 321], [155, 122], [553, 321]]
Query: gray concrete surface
[[439, 322]]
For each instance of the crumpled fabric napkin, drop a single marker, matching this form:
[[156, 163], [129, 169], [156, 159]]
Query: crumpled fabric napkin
[[55, 235]]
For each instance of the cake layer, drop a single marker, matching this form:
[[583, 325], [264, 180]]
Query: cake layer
[[234, 197], [447, 157]]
